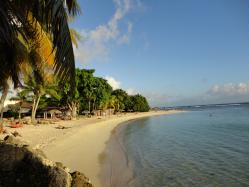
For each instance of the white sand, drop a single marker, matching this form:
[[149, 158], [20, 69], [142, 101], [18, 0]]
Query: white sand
[[80, 146]]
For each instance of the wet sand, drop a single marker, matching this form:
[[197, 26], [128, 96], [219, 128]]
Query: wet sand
[[116, 169]]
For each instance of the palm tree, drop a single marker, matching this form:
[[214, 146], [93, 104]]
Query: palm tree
[[36, 87], [19, 20], [10, 67]]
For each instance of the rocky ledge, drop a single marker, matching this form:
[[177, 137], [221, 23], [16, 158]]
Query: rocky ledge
[[20, 165]]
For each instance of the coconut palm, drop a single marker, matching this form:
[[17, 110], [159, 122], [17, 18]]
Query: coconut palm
[[20, 21], [36, 87], [41, 59], [112, 102]]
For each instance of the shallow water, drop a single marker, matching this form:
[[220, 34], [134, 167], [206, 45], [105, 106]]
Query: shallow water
[[209, 147]]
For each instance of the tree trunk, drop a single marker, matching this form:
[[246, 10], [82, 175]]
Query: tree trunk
[[20, 108], [73, 108], [89, 106], [34, 108], [19, 114], [3, 98], [94, 104], [74, 112], [32, 112]]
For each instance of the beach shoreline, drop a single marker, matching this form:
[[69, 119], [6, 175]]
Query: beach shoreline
[[81, 145], [116, 168]]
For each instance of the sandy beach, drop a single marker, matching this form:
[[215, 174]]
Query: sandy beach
[[81, 145]]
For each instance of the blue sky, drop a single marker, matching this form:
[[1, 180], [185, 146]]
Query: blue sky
[[175, 52]]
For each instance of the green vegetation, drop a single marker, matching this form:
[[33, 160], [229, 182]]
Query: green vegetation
[[121, 96], [36, 56], [94, 93], [138, 103]]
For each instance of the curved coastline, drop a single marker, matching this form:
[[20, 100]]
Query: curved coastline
[[81, 146], [116, 168], [83, 150]]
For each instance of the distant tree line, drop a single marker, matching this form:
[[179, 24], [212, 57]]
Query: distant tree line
[[93, 93]]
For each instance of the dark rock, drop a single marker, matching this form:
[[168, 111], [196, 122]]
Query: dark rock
[[11, 140], [22, 166], [80, 180], [59, 164]]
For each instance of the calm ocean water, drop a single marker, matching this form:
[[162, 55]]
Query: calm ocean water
[[205, 147]]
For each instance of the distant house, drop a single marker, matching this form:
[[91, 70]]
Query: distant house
[[49, 112], [156, 109], [9, 102], [10, 109]]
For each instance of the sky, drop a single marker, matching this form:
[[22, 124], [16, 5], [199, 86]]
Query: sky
[[174, 52]]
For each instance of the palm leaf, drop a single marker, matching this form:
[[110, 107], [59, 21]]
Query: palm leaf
[[52, 15], [73, 7], [75, 37]]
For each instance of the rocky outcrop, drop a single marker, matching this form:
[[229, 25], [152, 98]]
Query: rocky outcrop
[[79, 180], [21, 165]]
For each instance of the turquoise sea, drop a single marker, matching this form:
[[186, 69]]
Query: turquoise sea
[[205, 146]]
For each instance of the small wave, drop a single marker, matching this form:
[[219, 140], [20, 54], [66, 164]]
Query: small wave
[[235, 104]]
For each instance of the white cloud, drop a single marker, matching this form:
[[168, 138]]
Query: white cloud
[[125, 39], [230, 89], [225, 93], [157, 99], [95, 42], [113, 82], [131, 91]]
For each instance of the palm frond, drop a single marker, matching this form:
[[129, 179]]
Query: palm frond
[[52, 92], [52, 15], [73, 7], [7, 31], [75, 37], [11, 58]]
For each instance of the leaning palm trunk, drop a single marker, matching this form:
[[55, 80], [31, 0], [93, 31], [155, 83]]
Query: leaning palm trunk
[[3, 98], [34, 108]]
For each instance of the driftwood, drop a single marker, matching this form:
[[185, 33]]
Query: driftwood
[[15, 133], [62, 127]]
